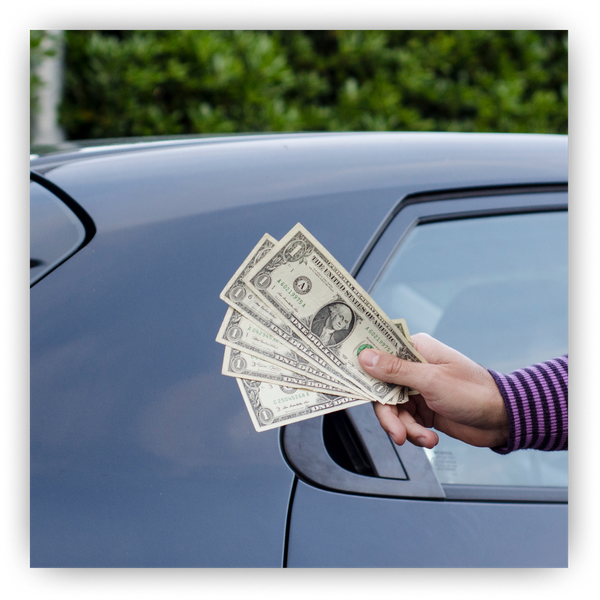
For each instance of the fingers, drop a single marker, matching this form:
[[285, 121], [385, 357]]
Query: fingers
[[424, 377], [457, 396], [432, 350], [390, 423], [392, 369], [400, 425]]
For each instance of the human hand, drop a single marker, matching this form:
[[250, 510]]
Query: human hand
[[457, 397]]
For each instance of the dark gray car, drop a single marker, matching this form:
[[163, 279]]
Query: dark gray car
[[143, 454]]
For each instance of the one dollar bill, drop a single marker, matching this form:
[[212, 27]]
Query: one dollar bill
[[295, 326], [272, 405], [239, 364], [299, 280], [270, 325]]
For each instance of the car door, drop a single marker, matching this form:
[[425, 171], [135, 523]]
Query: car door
[[484, 271]]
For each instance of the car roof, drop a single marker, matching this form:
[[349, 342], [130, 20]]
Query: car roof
[[196, 176], [74, 149]]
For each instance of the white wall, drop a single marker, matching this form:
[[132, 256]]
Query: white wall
[[46, 129]]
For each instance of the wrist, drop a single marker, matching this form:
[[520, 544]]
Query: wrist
[[499, 415]]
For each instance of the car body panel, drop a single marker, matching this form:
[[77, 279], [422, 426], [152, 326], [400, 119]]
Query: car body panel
[[456, 531], [132, 424], [356, 531], [142, 453], [233, 174]]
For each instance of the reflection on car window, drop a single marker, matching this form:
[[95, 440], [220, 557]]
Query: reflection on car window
[[494, 288]]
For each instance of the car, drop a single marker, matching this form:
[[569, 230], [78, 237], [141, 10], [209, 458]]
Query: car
[[143, 454]]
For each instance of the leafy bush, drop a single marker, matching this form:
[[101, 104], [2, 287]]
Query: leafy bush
[[174, 82]]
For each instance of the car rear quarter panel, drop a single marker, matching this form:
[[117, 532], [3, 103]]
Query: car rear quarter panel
[[142, 453]]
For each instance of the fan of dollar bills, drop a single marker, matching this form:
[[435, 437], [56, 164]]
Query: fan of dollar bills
[[296, 323]]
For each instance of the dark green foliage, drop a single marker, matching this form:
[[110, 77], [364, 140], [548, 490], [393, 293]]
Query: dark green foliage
[[126, 83]]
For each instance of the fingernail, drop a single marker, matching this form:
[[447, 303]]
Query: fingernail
[[422, 441], [369, 358]]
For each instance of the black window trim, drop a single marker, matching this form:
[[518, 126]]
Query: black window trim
[[487, 493], [87, 222], [450, 194], [302, 443]]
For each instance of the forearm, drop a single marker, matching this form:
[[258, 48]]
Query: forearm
[[536, 401]]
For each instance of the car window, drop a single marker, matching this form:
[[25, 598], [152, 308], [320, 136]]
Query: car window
[[55, 231], [495, 288]]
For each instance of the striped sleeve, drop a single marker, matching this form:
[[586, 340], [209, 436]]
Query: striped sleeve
[[536, 400]]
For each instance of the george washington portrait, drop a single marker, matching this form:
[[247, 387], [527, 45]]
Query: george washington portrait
[[333, 323]]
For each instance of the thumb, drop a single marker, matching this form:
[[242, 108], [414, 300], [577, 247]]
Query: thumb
[[386, 367]]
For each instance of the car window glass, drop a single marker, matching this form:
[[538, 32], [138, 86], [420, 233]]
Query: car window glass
[[494, 288], [55, 231]]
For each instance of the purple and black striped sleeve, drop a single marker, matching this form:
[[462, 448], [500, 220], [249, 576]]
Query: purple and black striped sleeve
[[536, 400]]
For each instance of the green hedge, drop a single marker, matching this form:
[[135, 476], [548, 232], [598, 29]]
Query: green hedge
[[174, 82]]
